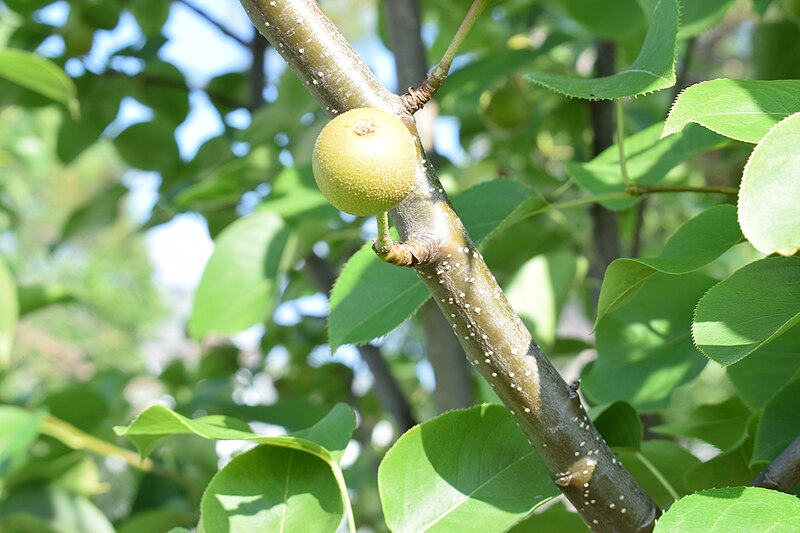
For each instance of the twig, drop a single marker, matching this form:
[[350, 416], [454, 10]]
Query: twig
[[79, 440], [783, 473], [205, 16], [623, 166], [387, 389], [650, 189], [417, 97]]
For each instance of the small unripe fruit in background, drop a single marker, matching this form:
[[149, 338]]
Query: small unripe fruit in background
[[507, 106], [364, 161]]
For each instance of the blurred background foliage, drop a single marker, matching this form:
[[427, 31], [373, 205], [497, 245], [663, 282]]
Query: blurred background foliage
[[188, 121]]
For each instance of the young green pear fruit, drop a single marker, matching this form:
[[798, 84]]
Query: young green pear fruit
[[364, 161], [507, 106]]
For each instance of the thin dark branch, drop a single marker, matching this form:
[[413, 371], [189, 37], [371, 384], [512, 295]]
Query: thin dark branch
[[205, 16], [638, 227], [150, 80], [493, 336], [258, 73], [403, 18], [387, 389], [783, 473]]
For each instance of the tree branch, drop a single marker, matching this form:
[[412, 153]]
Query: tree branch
[[783, 473], [205, 16], [387, 389], [492, 335]]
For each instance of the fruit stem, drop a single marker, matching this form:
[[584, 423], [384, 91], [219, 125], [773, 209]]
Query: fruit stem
[[384, 242], [417, 97]]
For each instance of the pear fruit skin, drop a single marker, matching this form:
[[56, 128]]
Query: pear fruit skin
[[364, 161]]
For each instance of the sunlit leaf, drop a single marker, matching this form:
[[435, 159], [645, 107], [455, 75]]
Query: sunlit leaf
[[38, 74], [469, 470], [769, 210], [744, 110], [242, 278], [732, 509]]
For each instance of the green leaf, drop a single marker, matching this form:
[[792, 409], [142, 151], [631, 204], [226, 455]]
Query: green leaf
[[466, 470], [157, 422], [653, 69], [732, 509], [698, 242], [99, 211], [648, 159], [724, 424], [699, 15], [9, 311], [757, 377], [612, 19], [644, 349], [726, 469], [38, 74], [371, 298], [52, 509], [19, 429], [550, 278], [272, 489], [159, 519], [554, 519], [619, 424], [34, 297], [758, 303], [241, 281], [779, 424], [149, 145], [776, 50], [769, 212], [334, 430], [744, 110], [659, 462]]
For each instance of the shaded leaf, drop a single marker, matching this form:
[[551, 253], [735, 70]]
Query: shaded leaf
[[744, 110], [19, 429], [696, 243], [758, 376], [779, 424], [769, 211], [669, 460], [652, 70], [754, 306], [699, 15], [644, 349], [53, 509], [732, 509], [647, 159], [554, 519], [99, 211], [149, 145], [467, 470], [724, 424], [619, 424], [34, 297]]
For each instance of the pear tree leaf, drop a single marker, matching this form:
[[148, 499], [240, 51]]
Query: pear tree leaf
[[769, 210], [732, 509], [754, 306], [466, 470], [779, 424], [644, 349], [698, 242], [743, 110], [648, 159], [240, 284], [41, 75], [652, 70]]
